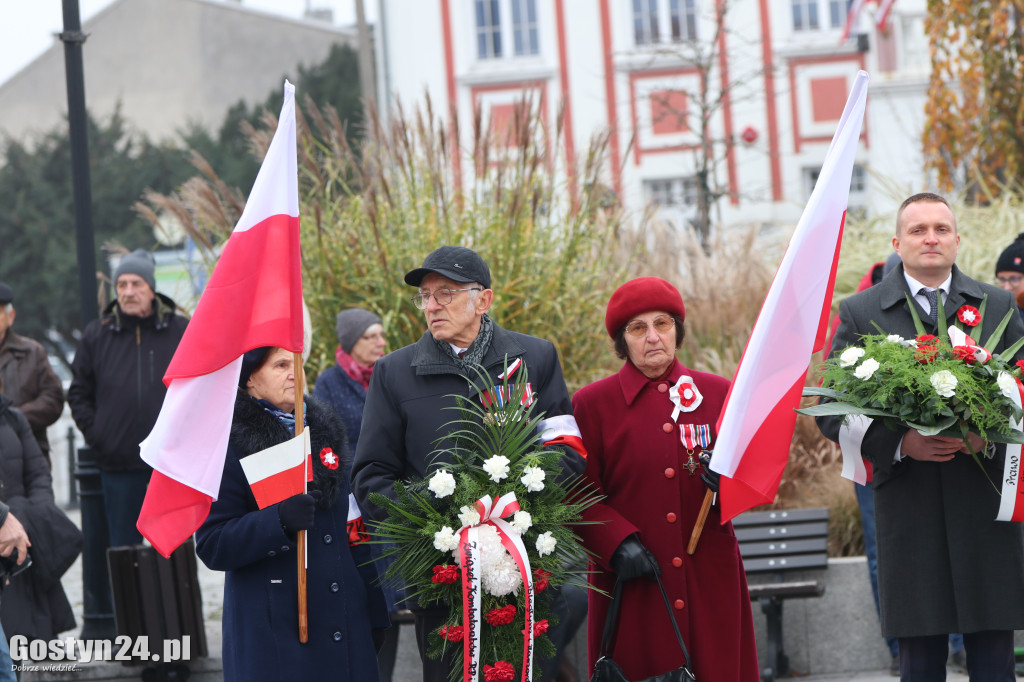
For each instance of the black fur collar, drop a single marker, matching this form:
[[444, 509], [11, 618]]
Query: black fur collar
[[254, 429]]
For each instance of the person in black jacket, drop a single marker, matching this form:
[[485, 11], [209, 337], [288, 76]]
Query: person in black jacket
[[408, 405], [117, 389]]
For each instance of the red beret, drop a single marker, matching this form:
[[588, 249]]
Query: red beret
[[639, 296]]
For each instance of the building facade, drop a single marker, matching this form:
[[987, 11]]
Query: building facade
[[776, 79]]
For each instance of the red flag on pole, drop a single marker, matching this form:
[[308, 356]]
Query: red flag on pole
[[882, 16], [851, 19], [756, 425], [253, 299]]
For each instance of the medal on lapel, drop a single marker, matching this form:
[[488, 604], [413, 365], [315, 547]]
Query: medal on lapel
[[694, 436]]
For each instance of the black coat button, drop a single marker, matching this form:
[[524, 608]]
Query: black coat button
[[328, 539], [337, 636], [335, 587]]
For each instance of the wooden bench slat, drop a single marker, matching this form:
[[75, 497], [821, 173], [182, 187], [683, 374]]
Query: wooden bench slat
[[786, 547], [795, 530], [792, 590], [785, 563], [780, 515]]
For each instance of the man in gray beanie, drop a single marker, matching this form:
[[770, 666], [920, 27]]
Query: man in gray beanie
[[117, 389]]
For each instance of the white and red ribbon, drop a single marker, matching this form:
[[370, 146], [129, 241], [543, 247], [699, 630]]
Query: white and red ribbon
[[685, 396], [469, 561], [959, 338], [1011, 502]]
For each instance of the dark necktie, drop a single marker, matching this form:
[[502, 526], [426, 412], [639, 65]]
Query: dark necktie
[[462, 351], [933, 299]]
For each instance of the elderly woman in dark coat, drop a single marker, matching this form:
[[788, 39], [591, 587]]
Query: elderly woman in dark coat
[[34, 604], [256, 547], [644, 429]]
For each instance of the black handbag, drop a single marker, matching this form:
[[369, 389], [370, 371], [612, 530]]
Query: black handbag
[[607, 670]]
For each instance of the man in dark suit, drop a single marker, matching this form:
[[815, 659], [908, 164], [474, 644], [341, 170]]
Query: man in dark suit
[[944, 564]]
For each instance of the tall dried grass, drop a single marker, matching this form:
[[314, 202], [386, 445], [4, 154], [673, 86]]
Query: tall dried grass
[[556, 250]]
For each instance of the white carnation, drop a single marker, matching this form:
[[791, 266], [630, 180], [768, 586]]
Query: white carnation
[[468, 516], [522, 521], [850, 356], [442, 484], [545, 543], [866, 369], [1007, 385], [499, 574], [533, 479], [497, 467], [894, 338], [944, 383], [445, 540]]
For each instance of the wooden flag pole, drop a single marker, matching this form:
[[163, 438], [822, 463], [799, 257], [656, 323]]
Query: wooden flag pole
[[301, 548], [698, 527]]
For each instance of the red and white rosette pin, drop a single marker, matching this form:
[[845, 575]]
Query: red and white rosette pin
[[685, 396], [470, 560]]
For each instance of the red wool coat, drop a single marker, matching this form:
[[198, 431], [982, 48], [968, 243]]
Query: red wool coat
[[637, 459]]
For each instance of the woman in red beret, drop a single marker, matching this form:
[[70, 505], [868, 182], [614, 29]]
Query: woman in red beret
[[644, 429]]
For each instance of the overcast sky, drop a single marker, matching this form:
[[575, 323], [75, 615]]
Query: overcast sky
[[27, 27]]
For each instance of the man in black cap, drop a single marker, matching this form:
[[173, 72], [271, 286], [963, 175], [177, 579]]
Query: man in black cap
[[1010, 270], [408, 405], [26, 376], [117, 389]]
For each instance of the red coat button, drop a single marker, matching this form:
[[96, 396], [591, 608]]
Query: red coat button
[[670, 517], [670, 473], [663, 388], [679, 604], [666, 427], [677, 562]]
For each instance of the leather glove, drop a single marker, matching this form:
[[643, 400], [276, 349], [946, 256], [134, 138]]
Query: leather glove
[[709, 477], [632, 560], [296, 512]]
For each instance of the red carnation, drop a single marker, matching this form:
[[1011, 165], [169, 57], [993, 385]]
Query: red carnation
[[969, 315], [927, 339], [964, 353], [541, 577], [453, 633], [540, 627], [501, 671], [502, 616], [1020, 363], [926, 354], [446, 574]]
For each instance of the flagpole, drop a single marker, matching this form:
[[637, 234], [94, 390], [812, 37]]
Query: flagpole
[[301, 549], [698, 527]]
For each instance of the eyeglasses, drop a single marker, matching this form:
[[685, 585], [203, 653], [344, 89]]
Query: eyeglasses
[[442, 296], [1013, 280], [662, 324]]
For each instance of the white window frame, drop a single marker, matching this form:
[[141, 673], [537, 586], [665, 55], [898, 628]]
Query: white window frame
[[501, 33], [656, 26]]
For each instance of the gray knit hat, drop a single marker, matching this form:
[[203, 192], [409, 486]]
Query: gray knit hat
[[139, 262], [351, 324]]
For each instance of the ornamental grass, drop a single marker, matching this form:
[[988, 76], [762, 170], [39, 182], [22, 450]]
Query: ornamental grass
[[556, 249]]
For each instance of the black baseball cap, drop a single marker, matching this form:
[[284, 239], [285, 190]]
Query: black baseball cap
[[457, 263], [6, 294]]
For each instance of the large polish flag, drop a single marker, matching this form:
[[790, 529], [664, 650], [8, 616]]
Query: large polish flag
[[756, 425], [253, 299]]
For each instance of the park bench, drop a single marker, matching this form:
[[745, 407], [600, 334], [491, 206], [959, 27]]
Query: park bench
[[779, 543]]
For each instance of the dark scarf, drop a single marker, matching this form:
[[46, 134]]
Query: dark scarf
[[256, 428], [474, 355]]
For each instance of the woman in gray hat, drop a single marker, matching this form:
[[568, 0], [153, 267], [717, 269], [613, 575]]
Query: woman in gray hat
[[360, 343]]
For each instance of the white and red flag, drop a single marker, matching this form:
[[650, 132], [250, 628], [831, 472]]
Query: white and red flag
[[851, 18], [756, 425], [277, 473], [253, 299], [882, 15]]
